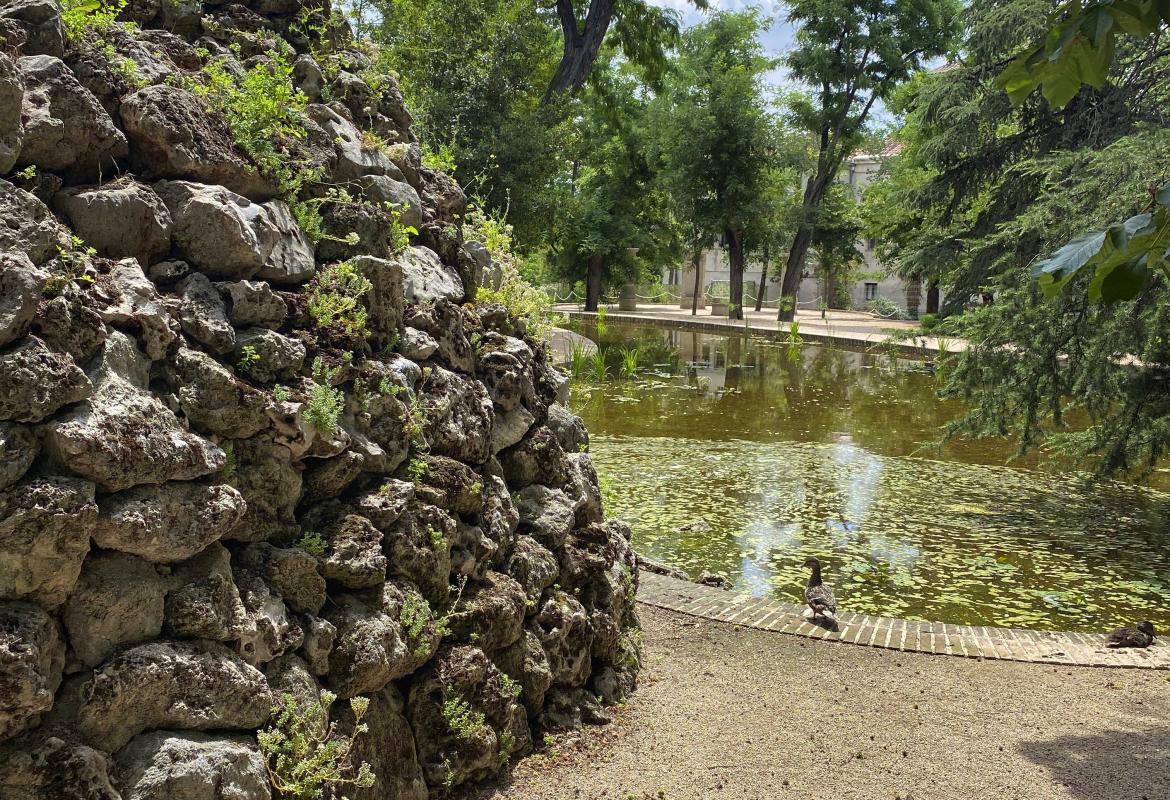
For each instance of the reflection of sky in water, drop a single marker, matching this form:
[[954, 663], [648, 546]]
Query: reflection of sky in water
[[822, 455]]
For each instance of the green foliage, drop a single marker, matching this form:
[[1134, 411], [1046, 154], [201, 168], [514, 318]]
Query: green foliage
[[312, 543], [884, 307], [578, 360], [325, 402], [335, 298], [440, 160], [306, 754], [629, 363], [438, 540], [85, 18], [264, 110], [415, 617], [416, 470], [463, 721], [248, 359], [600, 368]]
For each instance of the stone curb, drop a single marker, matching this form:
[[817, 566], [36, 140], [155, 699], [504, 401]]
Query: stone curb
[[909, 636], [857, 342]]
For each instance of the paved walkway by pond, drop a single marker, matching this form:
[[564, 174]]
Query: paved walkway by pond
[[725, 711], [854, 329], [1008, 644]]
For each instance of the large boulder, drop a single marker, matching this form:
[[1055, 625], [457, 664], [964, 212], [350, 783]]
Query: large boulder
[[45, 523], [175, 137], [399, 195], [174, 765], [123, 435], [203, 601], [119, 219], [40, 24], [545, 514], [65, 127], [458, 415], [388, 747], [169, 522], [20, 290], [269, 630], [275, 355], [381, 635], [467, 718], [18, 449], [203, 314], [29, 228], [353, 556], [443, 320], [383, 301], [354, 158], [271, 485], [11, 98], [533, 566], [490, 613], [32, 656], [426, 278], [125, 298], [291, 571], [213, 399], [253, 303], [183, 685], [117, 601], [50, 763], [291, 261], [224, 234], [36, 382], [418, 548]]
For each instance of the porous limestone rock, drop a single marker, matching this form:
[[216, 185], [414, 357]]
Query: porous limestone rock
[[32, 656], [561, 625], [533, 566], [29, 228], [65, 127], [11, 98], [276, 355], [418, 548], [213, 399], [388, 747], [290, 571], [68, 325], [203, 601], [45, 523], [127, 299], [269, 630], [491, 724], [50, 763], [36, 382], [443, 320], [397, 194], [253, 303], [271, 486], [459, 415], [18, 449], [492, 611], [203, 314], [538, 458], [222, 233], [182, 685], [382, 635], [20, 290], [40, 23], [169, 522], [173, 136], [117, 601], [119, 219], [180, 765], [426, 278]]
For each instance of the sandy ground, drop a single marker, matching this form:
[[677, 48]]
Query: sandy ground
[[727, 712]]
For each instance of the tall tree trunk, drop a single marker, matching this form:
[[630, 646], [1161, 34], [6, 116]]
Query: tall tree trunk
[[697, 262], [593, 283], [763, 280], [793, 269], [580, 47], [735, 301]]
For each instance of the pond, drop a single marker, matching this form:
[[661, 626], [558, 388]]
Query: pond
[[744, 456]]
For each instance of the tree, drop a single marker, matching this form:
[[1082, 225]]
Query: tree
[[643, 32], [616, 221], [852, 55], [837, 229], [716, 136]]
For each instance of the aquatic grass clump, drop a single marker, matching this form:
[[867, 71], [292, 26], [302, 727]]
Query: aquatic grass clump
[[629, 364], [600, 368], [578, 360]]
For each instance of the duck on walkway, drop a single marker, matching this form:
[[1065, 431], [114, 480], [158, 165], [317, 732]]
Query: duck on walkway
[[818, 594], [1141, 635]]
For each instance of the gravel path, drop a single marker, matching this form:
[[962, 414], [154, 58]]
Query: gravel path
[[727, 712]]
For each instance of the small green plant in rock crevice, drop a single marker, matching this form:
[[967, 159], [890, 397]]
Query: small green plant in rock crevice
[[417, 470], [414, 618], [466, 723], [335, 300], [306, 754], [325, 403], [312, 543]]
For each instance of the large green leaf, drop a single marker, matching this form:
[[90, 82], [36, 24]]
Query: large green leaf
[[1057, 269]]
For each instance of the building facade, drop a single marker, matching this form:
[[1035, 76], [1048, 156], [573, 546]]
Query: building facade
[[877, 281]]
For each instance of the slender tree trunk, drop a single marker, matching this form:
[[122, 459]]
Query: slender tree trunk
[[580, 47], [697, 261], [763, 281], [735, 245], [593, 283], [793, 269]]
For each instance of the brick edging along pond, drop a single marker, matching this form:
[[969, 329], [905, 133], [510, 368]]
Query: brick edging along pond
[[970, 641]]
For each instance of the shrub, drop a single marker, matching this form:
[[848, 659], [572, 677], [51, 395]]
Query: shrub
[[414, 618], [312, 543], [884, 307], [306, 754], [462, 720]]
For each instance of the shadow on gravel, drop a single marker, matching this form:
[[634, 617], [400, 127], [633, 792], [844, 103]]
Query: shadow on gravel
[[1121, 765]]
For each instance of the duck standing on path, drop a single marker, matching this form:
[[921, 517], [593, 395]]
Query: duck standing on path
[[818, 594], [1141, 635]]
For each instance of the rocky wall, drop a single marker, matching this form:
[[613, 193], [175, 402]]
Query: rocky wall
[[239, 462]]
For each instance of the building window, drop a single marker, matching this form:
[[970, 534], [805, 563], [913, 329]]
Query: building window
[[870, 291]]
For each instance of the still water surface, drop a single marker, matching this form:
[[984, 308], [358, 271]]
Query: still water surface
[[743, 457]]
